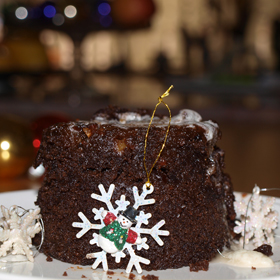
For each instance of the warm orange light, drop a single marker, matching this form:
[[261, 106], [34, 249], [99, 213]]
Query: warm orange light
[[5, 155], [5, 145]]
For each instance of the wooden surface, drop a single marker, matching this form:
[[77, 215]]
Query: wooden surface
[[22, 183], [252, 154]]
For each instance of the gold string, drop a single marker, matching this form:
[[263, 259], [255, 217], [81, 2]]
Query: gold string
[[160, 100]]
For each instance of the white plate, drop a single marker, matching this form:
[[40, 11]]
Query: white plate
[[41, 269]]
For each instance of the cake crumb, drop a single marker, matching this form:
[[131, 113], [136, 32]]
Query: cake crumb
[[49, 259], [87, 131], [131, 276], [120, 146], [83, 276], [253, 268], [265, 249], [79, 267], [110, 272], [201, 265], [149, 277], [65, 274]]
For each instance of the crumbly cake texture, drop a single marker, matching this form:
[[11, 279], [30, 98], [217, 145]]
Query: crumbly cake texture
[[193, 194]]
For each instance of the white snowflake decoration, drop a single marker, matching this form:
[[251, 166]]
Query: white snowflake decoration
[[142, 218], [17, 230], [260, 221]]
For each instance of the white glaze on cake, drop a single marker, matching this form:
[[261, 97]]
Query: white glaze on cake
[[186, 115], [129, 117], [188, 118]]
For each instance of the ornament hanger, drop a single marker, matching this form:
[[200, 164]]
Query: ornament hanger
[[160, 100], [115, 230]]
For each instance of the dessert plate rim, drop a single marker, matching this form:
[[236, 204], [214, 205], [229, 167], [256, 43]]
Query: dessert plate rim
[[43, 270]]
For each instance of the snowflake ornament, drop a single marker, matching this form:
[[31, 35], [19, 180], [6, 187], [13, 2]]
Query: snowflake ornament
[[17, 230], [257, 220], [115, 233]]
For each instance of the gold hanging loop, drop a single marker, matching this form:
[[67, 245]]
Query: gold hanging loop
[[160, 100]]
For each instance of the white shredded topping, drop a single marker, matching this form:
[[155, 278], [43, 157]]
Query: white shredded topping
[[128, 117], [185, 117]]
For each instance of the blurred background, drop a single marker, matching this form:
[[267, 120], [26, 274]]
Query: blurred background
[[62, 60]]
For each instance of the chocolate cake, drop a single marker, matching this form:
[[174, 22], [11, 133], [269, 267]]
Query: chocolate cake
[[192, 193]]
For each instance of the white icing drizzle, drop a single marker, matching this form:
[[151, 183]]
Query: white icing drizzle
[[245, 258], [71, 128], [212, 166], [209, 127], [185, 117], [128, 117]]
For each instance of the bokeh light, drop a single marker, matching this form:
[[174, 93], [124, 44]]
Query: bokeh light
[[21, 13], [16, 150], [49, 11], [35, 173], [5, 155], [5, 145], [58, 19], [70, 11], [104, 9], [36, 143]]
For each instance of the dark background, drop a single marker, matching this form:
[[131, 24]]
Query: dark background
[[223, 58]]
